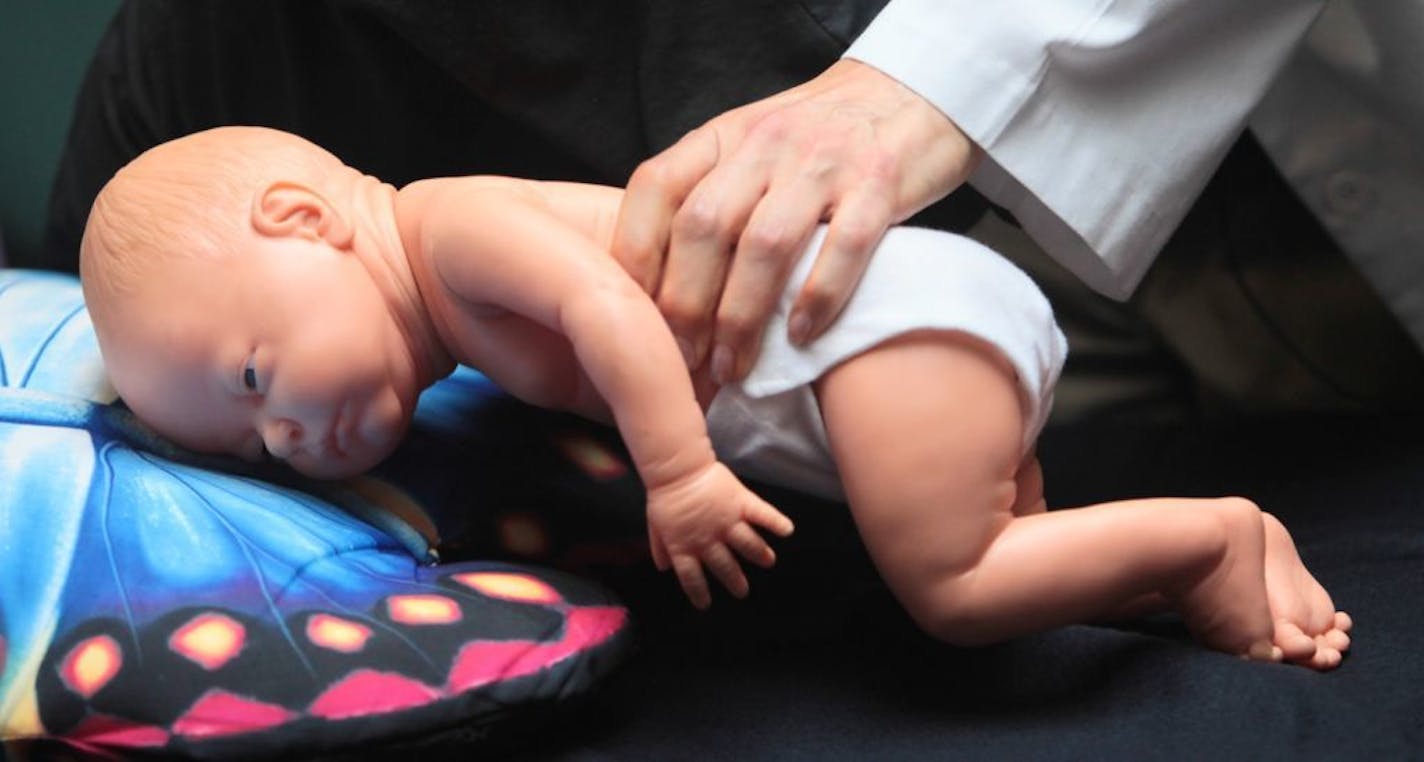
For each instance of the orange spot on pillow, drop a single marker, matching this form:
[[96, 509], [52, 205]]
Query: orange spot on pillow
[[510, 586], [209, 640], [91, 664], [337, 634], [423, 609]]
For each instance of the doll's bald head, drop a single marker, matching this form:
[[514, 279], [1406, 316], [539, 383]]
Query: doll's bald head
[[192, 205], [191, 197], [235, 308]]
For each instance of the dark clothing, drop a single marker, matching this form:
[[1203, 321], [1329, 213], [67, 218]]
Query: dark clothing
[[532, 88]]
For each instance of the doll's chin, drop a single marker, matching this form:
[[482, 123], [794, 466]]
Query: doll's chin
[[352, 463]]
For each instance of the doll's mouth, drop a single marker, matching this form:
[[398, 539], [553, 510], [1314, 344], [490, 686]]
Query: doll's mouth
[[338, 437], [331, 447]]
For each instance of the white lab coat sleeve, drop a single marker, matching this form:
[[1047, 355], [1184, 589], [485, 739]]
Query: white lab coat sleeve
[[1101, 120]]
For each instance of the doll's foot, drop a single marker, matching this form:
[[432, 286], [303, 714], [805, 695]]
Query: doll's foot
[[1308, 629], [1227, 608]]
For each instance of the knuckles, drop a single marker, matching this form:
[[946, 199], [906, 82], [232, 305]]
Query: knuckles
[[860, 234], [882, 167], [698, 219], [737, 328], [683, 312], [767, 243], [653, 174], [775, 128]]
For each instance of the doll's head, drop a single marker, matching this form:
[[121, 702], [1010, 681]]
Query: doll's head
[[234, 304]]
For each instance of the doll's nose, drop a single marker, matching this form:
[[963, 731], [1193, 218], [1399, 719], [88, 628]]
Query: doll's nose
[[281, 437]]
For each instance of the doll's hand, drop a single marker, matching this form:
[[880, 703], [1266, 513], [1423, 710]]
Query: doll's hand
[[700, 521]]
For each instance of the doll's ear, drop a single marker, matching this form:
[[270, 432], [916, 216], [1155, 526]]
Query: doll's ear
[[286, 208]]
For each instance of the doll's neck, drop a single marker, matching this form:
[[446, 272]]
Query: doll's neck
[[373, 206]]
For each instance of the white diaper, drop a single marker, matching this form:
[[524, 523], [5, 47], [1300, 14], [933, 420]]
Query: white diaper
[[769, 427]]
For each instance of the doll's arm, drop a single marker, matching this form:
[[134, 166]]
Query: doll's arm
[[496, 243]]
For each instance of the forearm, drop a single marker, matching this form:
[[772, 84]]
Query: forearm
[[1100, 126], [629, 355]]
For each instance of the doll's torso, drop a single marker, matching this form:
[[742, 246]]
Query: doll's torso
[[527, 359]]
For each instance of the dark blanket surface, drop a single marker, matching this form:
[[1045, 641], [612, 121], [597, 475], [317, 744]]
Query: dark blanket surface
[[820, 664]]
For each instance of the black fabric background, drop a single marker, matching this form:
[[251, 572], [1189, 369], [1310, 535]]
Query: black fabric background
[[820, 664], [532, 88]]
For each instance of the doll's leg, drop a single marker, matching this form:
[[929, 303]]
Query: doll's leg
[[926, 433], [1029, 501]]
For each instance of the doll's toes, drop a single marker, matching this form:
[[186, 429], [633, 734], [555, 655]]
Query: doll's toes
[[1337, 640], [1325, 658], [1295, 645], [1263, 651]]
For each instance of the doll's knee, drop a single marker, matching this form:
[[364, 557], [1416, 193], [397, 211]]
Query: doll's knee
[[949, 613]]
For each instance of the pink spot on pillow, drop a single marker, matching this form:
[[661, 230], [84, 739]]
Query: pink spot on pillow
[[220, 713], [366, 691], [483, 662]]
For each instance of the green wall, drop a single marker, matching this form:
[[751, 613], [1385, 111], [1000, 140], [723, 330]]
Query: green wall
[[44, 48]]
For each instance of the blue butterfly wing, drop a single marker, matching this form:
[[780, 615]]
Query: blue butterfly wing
[[45, 343]]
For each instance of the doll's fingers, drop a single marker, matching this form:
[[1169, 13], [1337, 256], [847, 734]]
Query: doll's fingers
[[763, 515], [750, 545], [725, 568], [689, 575]]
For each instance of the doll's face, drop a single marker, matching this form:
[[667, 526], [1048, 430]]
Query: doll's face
[[288, 347]]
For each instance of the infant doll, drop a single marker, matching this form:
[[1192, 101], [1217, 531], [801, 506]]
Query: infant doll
[[253, 295]]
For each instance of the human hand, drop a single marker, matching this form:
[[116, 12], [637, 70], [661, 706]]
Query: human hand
[[700, 521], [713, 225]]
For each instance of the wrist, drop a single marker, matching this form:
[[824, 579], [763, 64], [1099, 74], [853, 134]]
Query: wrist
[[680, 469]]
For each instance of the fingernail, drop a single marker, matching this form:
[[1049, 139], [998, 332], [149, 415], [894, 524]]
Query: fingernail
[[685, 347], [799, 328], [722, 364]]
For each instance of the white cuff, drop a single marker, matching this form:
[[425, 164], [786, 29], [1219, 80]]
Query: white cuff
[[1102, 119]]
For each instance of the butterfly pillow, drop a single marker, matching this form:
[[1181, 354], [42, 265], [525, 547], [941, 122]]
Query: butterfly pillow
[[157, 602]]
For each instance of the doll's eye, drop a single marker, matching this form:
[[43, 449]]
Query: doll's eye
[[249, 376]]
